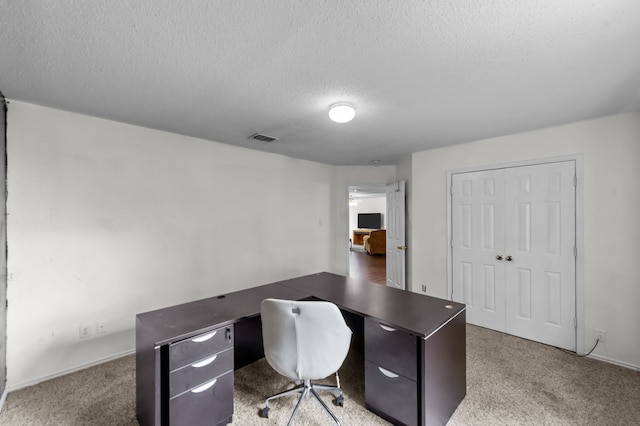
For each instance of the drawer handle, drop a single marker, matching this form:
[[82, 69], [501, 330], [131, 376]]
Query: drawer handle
[[204, 387], [386, 327], [388, 373], [204, 337], [204, 362]]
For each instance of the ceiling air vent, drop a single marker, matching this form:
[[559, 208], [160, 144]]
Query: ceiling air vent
[[262, 138]]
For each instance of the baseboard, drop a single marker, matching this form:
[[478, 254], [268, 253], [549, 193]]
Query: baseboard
[[79, 367], [615, 362]]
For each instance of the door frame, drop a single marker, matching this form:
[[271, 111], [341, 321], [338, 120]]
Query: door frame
[[376, 185], [383, 192], [579, 229], [3, 251]]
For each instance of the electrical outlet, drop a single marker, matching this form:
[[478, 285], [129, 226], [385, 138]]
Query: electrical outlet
[[602, 335], [101, 327], [85, 331], [424, 288]]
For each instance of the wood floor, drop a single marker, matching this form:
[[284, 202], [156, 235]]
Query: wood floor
[[363, 265]]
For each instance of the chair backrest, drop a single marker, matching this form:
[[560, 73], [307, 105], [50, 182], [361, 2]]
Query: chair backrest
[[378, 234], [304, 339]]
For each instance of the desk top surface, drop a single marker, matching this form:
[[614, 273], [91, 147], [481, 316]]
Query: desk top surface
[[418, 314]]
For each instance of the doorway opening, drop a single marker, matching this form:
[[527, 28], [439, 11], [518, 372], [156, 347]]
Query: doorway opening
[[367, 232]]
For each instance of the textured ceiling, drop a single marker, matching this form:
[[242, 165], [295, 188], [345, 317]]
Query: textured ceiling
[[422, 74]]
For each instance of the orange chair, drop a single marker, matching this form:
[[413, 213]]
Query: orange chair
[[376, 242]]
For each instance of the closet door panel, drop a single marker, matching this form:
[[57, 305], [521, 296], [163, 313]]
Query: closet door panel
[[477, 239], [540, 238]]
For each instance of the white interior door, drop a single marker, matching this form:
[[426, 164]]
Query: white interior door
[[3, 254], [513, 250], [396, 244], [478, 238], [540, 250]]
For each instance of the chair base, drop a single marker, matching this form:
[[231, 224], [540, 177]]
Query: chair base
[[306, 388]]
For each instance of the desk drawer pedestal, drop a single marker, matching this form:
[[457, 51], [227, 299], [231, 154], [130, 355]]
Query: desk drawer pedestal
[[414, 381], [200, 379], [390, 395], [391, 368]]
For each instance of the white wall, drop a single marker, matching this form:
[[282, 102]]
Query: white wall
[[377, 204], [107, 220], [611, 149]]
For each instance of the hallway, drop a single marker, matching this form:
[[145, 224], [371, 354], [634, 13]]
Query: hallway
[[368, 267]]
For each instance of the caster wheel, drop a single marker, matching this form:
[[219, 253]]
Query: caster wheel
[[264, 413], [340, 401]]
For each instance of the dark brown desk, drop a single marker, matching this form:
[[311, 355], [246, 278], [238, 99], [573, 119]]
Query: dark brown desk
[[414, 350]]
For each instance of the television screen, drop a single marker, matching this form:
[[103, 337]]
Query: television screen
[[370, 220]]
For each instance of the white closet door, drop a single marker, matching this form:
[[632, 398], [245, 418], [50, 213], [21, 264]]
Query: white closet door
[[478, 238], [513, 250], [540, 281]]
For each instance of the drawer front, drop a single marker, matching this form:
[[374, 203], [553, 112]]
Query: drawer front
[[392, 349], [390, 395], [199, 372], [206, 406], [198, 347]]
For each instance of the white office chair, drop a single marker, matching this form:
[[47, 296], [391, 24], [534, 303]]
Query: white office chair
[[304, 341]]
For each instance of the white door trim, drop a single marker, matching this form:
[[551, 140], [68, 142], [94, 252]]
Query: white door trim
[[579, 224]]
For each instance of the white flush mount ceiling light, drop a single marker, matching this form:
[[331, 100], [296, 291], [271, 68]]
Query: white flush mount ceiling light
[[342, 112]]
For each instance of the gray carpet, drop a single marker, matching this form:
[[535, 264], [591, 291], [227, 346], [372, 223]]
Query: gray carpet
[[510, 381]]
